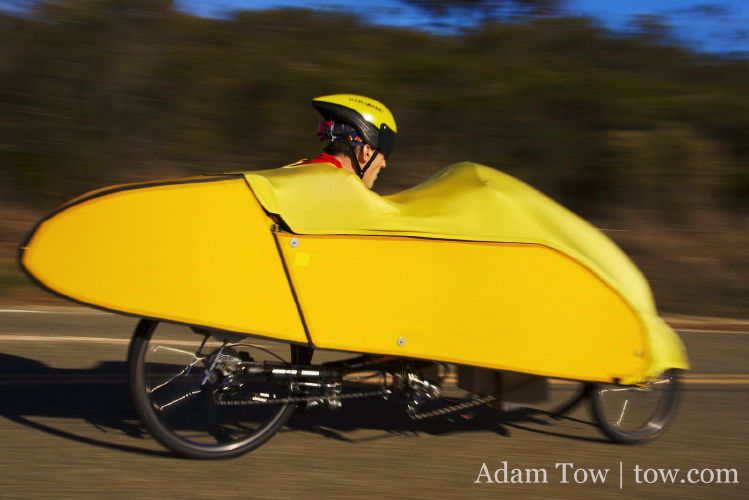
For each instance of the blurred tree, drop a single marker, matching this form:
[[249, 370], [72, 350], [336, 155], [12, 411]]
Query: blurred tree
[[485, 10], [97, 10], [652, 28], [94, 90]]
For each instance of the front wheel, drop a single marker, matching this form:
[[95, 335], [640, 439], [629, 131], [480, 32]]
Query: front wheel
[[636, 414], [185, 390]]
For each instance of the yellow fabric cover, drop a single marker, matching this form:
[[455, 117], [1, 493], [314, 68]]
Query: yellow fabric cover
[[465, 201], [198, 251]]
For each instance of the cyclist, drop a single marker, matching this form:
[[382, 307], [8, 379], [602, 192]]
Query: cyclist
[[361, 132]]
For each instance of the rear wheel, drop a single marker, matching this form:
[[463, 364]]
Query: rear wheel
[[185, 388], [634, 414]]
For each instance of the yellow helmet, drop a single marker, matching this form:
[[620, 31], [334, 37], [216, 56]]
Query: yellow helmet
[[371, 119]]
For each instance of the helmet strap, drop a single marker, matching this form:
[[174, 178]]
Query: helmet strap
[[369, 163], [355, 160]]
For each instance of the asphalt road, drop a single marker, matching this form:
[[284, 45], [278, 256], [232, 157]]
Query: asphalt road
[[68, 430]]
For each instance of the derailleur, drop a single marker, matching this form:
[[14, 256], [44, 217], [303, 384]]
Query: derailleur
[[418, 384], [233, 375], [224, 371]]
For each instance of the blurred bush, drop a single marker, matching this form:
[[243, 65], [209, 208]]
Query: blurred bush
[[96, 92]]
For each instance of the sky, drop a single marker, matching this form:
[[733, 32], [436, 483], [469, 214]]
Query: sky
[[711, 25]]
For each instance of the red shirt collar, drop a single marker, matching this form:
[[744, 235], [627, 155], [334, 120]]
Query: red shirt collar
[[325, 158]]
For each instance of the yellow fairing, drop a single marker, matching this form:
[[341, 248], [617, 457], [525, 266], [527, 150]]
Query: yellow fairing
[[523, 308], [472, 266], [198, 251]]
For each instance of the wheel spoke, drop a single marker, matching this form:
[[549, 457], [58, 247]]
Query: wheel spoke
[[175, 385]]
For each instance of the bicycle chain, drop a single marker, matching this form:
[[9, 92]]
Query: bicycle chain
[[300, 399], [452, 409], [358, 395]]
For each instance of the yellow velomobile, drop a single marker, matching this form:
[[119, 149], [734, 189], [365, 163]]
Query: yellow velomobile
[[472, 268]]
